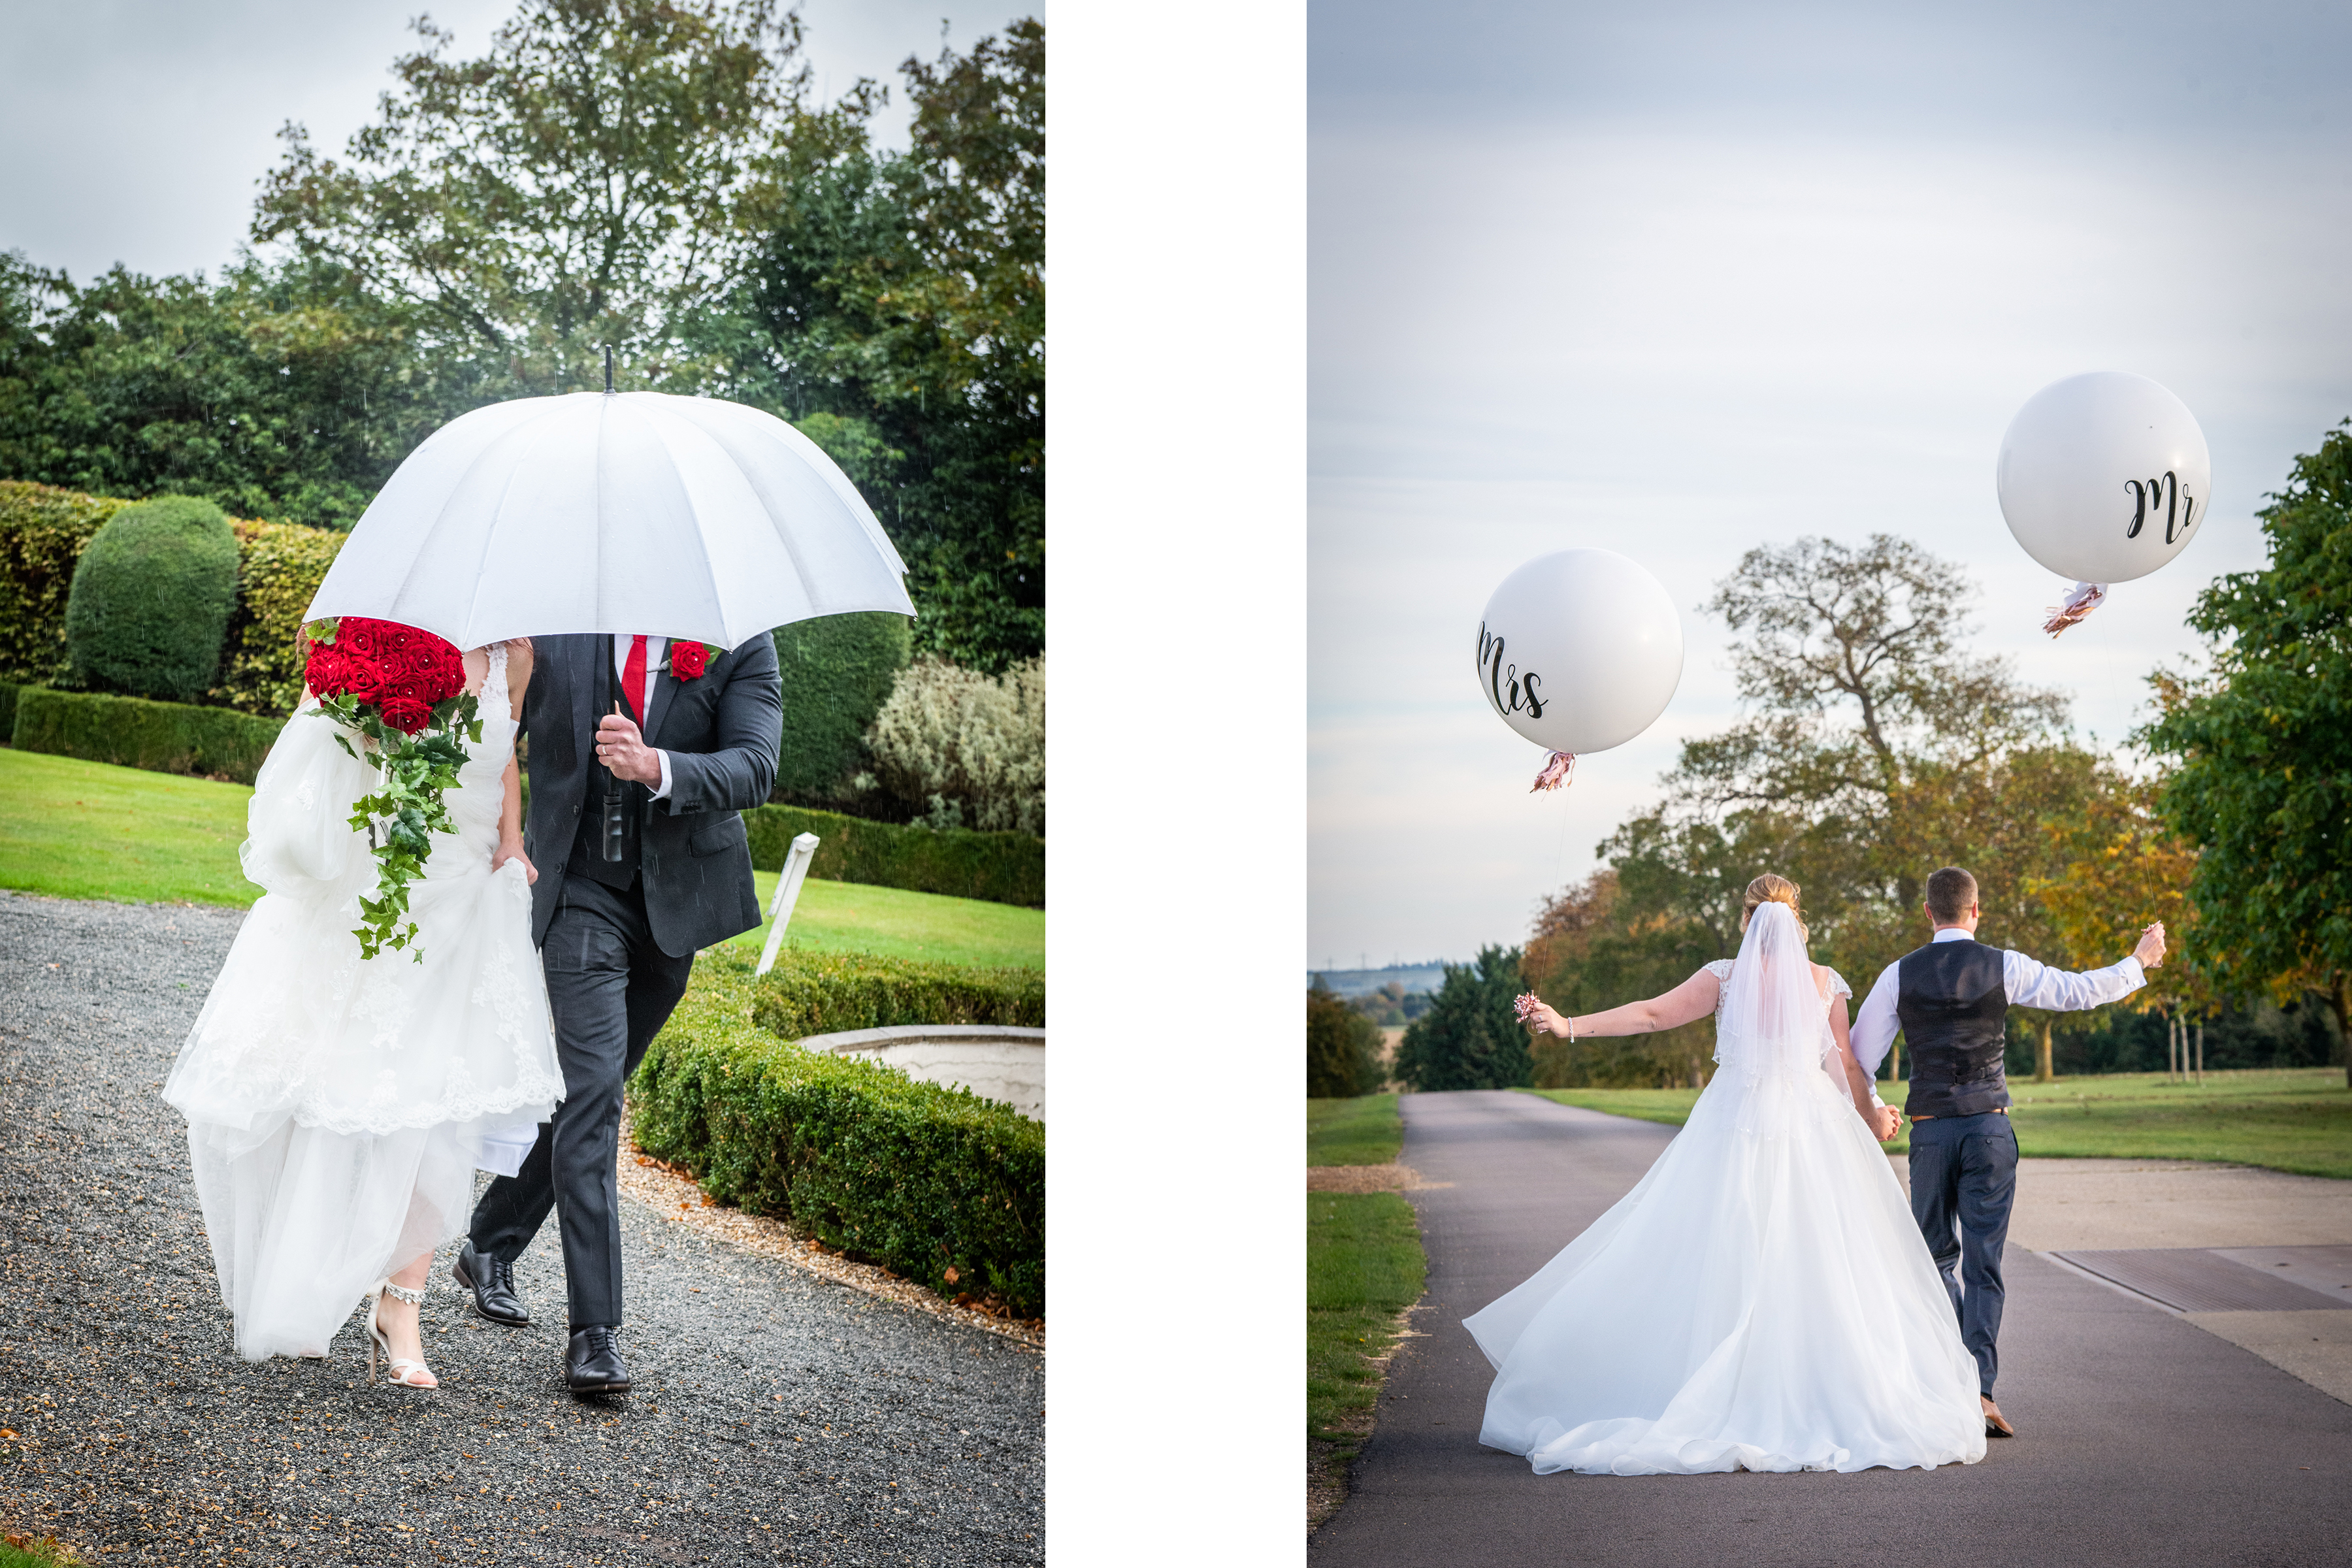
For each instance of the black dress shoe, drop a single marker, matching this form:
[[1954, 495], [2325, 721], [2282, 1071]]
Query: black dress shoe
[[592, 1362], [491, 1280]]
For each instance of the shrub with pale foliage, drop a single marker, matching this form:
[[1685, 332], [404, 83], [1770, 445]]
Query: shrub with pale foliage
[[963, 749]]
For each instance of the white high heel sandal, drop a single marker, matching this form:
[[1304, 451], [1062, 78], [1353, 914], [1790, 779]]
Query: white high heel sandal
[[399, 1366]]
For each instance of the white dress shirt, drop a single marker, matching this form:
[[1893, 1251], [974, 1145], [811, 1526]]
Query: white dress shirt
[[655, 647], [2028, 982]]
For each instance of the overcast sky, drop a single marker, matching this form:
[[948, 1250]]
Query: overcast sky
[[136, 130], [1681, 278]]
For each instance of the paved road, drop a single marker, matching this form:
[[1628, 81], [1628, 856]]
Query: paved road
[[2143, 1439], [779, 1417]]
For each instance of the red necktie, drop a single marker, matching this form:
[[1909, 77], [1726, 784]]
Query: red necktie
[[633, 678]]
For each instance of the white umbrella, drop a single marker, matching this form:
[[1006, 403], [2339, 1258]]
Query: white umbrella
[[633, 511]]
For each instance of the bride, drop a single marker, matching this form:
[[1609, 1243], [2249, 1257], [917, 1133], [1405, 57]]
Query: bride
[[338, 1107], [1761, 1300]]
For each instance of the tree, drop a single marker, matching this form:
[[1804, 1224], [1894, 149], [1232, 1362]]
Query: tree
[[1852, 669], [281, 390], [2125, 867], [1873, 748], [1343, 1047], [595, 179], [1471, 1036], [897, 310], [2262, 741], [1586, 955]]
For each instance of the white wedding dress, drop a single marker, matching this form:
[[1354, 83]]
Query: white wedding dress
[[1763, 1299], [338, 1108]]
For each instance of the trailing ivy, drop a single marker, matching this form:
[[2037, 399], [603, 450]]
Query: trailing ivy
[[401, 818]]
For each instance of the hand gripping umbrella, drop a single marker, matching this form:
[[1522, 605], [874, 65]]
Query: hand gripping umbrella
[[631, 511]]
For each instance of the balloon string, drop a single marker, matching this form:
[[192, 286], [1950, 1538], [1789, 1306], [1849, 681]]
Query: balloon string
[[1559, 770], [2081, 601]]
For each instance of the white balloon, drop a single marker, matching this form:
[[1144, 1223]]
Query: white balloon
[[1580, 650], [2104, 477]]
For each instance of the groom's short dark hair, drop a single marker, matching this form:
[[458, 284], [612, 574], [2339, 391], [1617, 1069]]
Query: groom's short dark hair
[[1950, 891]]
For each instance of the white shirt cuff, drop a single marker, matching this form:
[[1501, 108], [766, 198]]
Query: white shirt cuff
[[663, 792]]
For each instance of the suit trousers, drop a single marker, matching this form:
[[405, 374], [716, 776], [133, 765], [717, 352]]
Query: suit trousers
[[1963, 1178], [611, 989]]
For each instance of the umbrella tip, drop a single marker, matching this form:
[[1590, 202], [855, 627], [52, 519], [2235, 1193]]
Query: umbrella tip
[[608, 370]]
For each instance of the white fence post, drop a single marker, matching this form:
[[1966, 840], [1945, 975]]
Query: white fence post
[[788, 893]]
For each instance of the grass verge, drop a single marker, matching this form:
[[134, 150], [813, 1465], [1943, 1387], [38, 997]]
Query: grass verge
[[2297, 1119], [1364, 1271], [1364, 1268], [858, 917], [1364, 1131]]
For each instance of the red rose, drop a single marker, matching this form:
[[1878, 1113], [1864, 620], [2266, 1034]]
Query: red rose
[[405, 714], [688, 661], [359, 638], [323, 672]]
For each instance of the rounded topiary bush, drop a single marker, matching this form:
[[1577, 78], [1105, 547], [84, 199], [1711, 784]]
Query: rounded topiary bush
[[151, 597], [837, 672]]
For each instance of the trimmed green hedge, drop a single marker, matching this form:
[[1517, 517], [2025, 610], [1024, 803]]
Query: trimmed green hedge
[[133, 733], [1002, 867], [927, 1181], [837, 672], [152, 594], [8, 690], [43, 530], [813, 993]]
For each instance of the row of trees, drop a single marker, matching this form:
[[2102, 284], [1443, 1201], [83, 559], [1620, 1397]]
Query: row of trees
[[1873, 746], [649, 174]]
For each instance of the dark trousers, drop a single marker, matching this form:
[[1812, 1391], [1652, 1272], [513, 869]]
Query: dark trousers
[[611, 989], [1963, 1177]]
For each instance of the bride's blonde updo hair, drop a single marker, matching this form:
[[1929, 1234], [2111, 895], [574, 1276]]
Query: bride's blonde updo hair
[[1768, 888]]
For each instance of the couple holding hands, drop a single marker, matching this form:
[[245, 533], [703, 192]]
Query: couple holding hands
[[1764, 1298]]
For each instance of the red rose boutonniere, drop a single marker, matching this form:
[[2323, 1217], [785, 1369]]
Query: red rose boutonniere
[[688, 661]]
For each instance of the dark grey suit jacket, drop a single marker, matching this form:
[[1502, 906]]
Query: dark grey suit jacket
[[722, 733]]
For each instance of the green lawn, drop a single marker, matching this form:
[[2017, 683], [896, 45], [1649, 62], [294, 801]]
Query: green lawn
[[1364, 1266], [1363, 1132], [74, 829], [90, 830], [852, 917], [2298, 1120]]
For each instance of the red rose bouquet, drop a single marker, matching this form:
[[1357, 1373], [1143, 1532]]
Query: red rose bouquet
[[401, 693]]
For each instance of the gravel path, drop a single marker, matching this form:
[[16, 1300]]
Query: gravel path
[[778, 1418]]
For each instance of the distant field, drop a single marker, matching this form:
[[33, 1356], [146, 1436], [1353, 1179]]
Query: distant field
[[73, 830], [2298, 1120]]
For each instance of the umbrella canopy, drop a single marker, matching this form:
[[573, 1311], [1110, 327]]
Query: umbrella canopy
[[633, 512]]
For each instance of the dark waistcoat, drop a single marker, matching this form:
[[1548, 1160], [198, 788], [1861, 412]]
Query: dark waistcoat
[[587, 857], [1952, 1003]]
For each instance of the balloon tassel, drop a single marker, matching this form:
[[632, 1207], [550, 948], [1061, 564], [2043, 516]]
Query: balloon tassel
[[2083, 598], [1557, 769]]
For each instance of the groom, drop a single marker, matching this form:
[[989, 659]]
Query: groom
[[1951, 998], [617, 916]]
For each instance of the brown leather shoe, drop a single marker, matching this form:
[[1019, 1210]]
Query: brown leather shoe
[[1996, 1423]]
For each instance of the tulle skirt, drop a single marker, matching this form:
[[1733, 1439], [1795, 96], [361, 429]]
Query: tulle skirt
[[338, 1107], [1760, 1301]]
